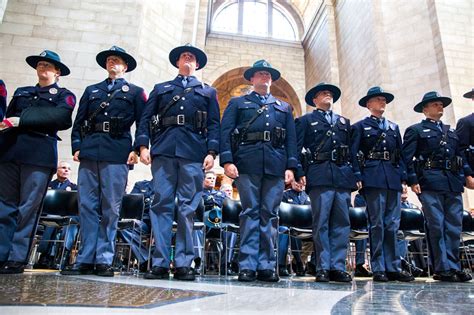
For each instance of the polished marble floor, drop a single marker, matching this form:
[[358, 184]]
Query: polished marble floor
[[49, 293]]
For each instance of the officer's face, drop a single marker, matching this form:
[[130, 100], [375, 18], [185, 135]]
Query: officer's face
[[376, 105], [323, 99], [433, 110], [47, 71], [261, 79], [187, 63], [209, 181], [227, 191], [64, 170], [115, 65]]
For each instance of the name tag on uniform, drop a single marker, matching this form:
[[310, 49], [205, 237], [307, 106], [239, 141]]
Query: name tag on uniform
[[314, 123], [426, 130], [168, 85], [247, 102], [367, 128], [95, 91]]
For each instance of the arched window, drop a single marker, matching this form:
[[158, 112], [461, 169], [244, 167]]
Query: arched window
[[263, 18]]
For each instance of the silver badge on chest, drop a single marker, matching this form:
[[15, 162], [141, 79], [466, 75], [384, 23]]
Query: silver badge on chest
[[53, 91], [125, 88]]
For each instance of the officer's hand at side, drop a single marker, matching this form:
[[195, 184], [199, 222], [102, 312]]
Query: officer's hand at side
[[359, 185], [230, 170], [289, 176], [132, 158], [302, 180], [208, 162], [470, 182], [76, 156], [416, 189], [145, 157]]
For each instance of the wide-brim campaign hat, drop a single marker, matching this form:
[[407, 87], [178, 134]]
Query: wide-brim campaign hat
[[432, 96], [469, 94], [373, 92], [200, 55], [336, 92], [213, 218], [116, 51], [262, 65], [49, 56]]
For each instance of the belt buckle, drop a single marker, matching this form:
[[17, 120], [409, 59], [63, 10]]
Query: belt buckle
[[180, 119], [266, 135], [176, 97], [106, 126], [386, 155], [448, 164]]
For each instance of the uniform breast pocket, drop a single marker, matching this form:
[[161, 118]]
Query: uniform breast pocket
[[97, 98], [246, 112], [370, 133], [430, 138], [201, 98], [280, 116], [453, 139], [123, 102]]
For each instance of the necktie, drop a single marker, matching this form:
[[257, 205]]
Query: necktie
[[111, 85], [381, 123], [263, 99], [185, 81], [328, 117], [438, 124]]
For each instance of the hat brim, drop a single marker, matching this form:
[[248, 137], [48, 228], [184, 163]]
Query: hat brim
[[469, 94], [336, 93], [445, 100], [388, 97], [101, 59], [33, 62], [248, 74], [201, 57]]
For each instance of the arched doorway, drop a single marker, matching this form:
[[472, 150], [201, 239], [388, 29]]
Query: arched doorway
[[232, 84]]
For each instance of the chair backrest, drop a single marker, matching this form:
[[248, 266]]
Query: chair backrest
[[467, 222], [296, 216], [132, 206], [412, 220], [230, 211], [358, 218], [60, 202]]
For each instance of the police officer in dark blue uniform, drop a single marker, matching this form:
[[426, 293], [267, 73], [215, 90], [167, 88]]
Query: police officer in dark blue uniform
[[325, 138], [28, 155], [102, 142], [377, 143], [465, 132], [296, 196], [258, 145], [181, 121], [3, 99], [436, 176]]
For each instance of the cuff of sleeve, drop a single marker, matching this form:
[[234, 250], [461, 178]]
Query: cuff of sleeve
[[412, 179], [213, 145], [292, 163], [226, 157]]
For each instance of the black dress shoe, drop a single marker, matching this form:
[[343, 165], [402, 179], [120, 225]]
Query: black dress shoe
[[361, 271], [78, 269], [380, 276], [283, 271], [339, 276], [184, 273], [463, 276], [12, 267], [322, 276], [299, 271], [104, 270], [311, 269], [247, 275], [415, 271], [402, 276], [446, 276], [157, 273], [267, 275]]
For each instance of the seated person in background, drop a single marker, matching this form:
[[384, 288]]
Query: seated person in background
[[297, 196], [132, 236], [46, 247]]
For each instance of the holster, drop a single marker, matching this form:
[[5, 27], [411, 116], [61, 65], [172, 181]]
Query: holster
[[234, 140], [396, 156], [154, 124], [200, 121], [470, 155], [361, 159], [306, 159], [86, 128], [342, 155]]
